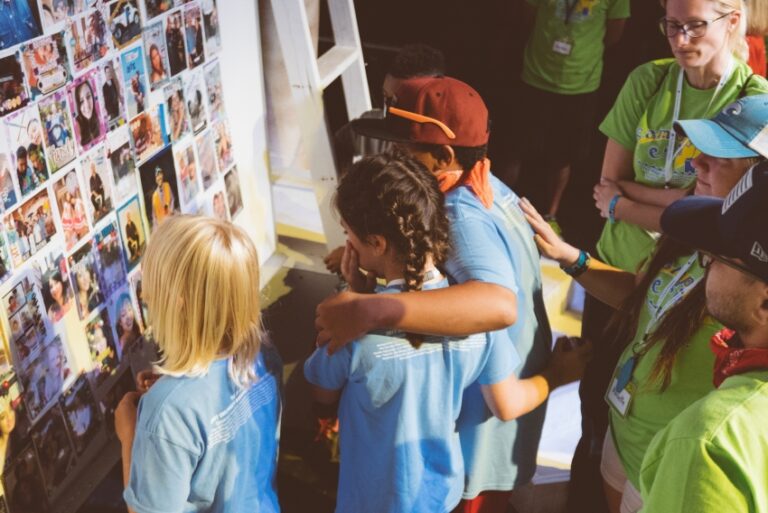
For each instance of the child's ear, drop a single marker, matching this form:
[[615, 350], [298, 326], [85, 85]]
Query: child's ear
[[378, 243]]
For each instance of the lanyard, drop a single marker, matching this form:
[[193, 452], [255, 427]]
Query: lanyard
[[671, 153], [663, 306], [569, 8]]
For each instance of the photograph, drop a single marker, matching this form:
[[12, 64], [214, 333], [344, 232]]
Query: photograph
[[206, 158], [20, 22], [23, 483], [176, 109], [157, 55], [9, 188], [86, 278], [25, 135], [87, 112], [234, 194], [223, 142], [97, 177], [101, 345], [124, 22], [158, 184], [57, 128], [134, 80], [17, 296], [193, 31], [111, 274], [132, 232], [46, 64], [5, 259], [211, 24], [54, 449], [123, 315], [123, 164], [112, 93], [148, 133], [88, 39], [157, 7], [186, 168], [55, 285], [82, 413], [56, 12], [194, 94], [138, 298], [215, 94], [174, 42], [30, 227], [28, 331], [72, 210], [216, 203], [44, 379], [13, 91], [14, 417]]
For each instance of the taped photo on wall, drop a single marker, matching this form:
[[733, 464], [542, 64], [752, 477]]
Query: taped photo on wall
[[46, 64], [57, 128], [86, 275]]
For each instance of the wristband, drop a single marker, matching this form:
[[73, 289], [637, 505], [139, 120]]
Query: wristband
[[612, 208], [580, 267]]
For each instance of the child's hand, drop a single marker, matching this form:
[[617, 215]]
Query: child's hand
[[145, 379], [333, 260], [125, 418], [549, 243], [350, 270], [569, 358]]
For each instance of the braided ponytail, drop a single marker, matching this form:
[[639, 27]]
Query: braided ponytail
[[396, 197]]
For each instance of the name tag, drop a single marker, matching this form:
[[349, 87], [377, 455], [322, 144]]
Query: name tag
[[620, 399], [562, 47]]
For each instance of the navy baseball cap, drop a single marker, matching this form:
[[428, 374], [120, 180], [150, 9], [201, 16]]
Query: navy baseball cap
[[740, 130], [734, 227]]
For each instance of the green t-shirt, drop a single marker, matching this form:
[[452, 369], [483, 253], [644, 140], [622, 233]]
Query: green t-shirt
[[651, 408], [640, 121], [580, 71], [713, 457]]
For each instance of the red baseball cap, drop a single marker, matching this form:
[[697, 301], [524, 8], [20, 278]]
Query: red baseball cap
[[431, 110]]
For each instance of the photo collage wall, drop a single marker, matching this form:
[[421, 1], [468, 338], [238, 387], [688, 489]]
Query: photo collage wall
[[111, 119]]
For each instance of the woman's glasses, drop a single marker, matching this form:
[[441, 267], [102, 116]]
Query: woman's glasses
[[692, 29]]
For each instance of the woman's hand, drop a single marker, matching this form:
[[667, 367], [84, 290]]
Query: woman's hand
[[549, 243], [604, 193], [350, 270]]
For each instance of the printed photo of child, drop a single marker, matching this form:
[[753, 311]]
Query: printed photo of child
[[30, 227], [25, 135], [86, 279], [134, 80], [55, 285], [72, 211], [224, 154], [88, 115], [132, 232], [148, 133], [206, 158], [123, 164], [176, 108], [158, 183], [57, 127], [97, 177], [46, 64], [186, 167]]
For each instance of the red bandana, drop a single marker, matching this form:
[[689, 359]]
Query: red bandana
[[734, 360], [478, 181]]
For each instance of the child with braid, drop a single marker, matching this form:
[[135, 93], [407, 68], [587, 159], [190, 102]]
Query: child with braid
[[400, 397]]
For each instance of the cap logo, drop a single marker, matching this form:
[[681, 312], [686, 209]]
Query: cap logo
[[738, 191], [759, 253], [733, 109]]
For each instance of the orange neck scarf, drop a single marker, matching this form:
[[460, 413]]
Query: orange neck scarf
[[478, 180]]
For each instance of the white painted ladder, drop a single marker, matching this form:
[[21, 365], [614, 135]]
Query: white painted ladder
[[309, 76]]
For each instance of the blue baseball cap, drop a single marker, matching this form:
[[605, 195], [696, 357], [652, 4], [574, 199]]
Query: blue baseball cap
[[740, 130], [734, 227]]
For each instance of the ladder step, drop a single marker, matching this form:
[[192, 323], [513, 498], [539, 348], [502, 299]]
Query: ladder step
[[334, 62]]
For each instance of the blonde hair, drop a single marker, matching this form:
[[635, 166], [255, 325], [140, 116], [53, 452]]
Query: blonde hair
[[200, 280], [737, 42], [757, 17]]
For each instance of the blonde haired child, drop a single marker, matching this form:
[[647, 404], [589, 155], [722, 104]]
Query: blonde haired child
[[204, 436]]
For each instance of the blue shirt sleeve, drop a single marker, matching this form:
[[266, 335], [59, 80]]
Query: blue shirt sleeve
[[161, 474], [478, 250], [502, 359], [329, 372]]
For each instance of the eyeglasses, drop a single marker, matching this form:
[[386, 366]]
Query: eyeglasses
[[691, 29], [706, 259]]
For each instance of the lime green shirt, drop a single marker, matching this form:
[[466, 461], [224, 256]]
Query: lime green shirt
[[580, 71], [640, 121], [713, 457], [651, 408]]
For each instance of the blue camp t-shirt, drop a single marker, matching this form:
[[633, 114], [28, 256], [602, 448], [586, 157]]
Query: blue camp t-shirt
[[399, 446], [202, 444], [496, 246]]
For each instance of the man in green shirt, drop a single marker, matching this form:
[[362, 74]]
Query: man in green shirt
[[713, 457], [562, 68]]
